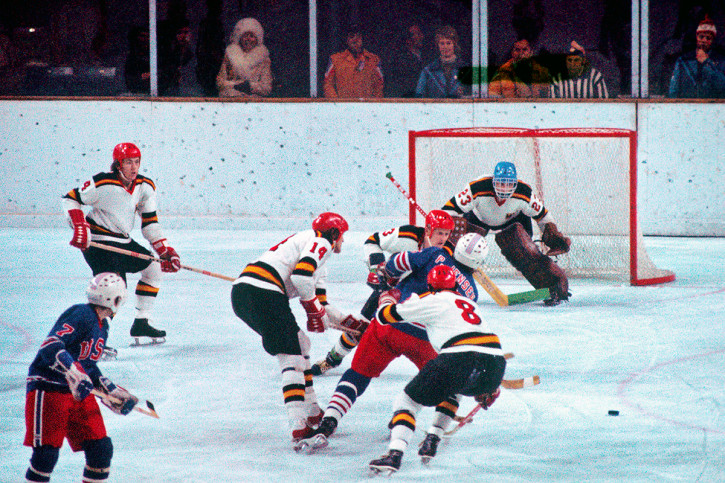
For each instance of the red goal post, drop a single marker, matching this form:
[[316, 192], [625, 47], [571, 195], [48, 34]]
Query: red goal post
[[587, 179]]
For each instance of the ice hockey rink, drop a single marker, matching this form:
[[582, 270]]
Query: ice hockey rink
[[655, 354]]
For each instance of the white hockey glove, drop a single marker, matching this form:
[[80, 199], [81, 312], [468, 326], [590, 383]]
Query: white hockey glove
[[78, 381], [315, 314], [120, 401]]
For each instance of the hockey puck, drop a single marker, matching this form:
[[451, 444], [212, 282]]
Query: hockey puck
[[613, 412]]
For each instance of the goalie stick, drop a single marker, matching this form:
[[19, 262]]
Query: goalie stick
[[151, 411], [507, 384], [484, 280], [154, 259]]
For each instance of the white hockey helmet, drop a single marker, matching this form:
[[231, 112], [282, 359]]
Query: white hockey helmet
[[107, 290], [471, 250]]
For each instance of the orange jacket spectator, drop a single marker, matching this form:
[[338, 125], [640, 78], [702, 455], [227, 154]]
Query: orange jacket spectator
[[354, 72]]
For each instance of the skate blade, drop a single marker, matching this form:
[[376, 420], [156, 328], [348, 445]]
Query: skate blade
[[310, 445], [382, 471], [109, 355], [142, 341]]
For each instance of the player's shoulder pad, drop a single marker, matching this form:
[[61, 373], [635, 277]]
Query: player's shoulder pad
[[482, 187], [412, 232], [140, 179]]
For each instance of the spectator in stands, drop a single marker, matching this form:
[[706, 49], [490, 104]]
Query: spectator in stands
[[406, 65], [580, 80], [174, 52], [440, 77], [210, 48], [246, 70], [521, 76], [354, 72], [137, 71], [700, 74]]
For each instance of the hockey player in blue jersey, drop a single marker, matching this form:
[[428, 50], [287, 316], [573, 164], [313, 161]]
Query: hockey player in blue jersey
[[60, 381]]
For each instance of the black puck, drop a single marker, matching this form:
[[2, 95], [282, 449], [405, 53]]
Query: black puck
[[613, 412]]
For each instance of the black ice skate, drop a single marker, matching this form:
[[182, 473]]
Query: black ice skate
[[556, 298], [321, 367], [387, 464], [318, 439], [429, 447], [144, 334]]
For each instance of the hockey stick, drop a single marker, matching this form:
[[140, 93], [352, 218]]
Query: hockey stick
[[151, 411], [407, 196], [123, 251], [506, 383]]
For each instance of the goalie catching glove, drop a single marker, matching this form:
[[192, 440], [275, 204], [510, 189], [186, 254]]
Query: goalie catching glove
[[78, 381], [315, 314], [170, 261], [119, 400], [553, 239]]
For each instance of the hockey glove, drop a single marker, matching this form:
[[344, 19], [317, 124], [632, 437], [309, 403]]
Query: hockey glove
[[170, 261], [81, 229], [359, 325], [120, 401], [78, 381], [315, 314], [486, 400], [386, 279], [389, 297], [553, 239]]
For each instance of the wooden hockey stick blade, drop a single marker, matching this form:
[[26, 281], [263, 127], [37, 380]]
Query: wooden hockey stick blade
[[143, 256], [496, 294], [530, 296], [521, 383], [347, 330], [151, 411], [508, 355]]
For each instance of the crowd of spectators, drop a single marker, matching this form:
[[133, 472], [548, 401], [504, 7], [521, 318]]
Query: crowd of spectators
[[423, 58]]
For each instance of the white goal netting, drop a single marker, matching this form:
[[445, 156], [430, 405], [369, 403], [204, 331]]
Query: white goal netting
[[586, 178]]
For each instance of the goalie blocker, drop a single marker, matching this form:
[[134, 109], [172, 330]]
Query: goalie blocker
[[540, 270]]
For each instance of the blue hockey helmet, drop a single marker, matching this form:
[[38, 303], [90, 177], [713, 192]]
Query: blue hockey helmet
[[505, 179]]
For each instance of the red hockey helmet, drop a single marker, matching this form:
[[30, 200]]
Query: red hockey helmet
[[125, 150], [439, 219], [330, 223], [441, 277]]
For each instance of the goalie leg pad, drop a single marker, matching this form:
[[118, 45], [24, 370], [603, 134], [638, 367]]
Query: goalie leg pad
[[521, 252]]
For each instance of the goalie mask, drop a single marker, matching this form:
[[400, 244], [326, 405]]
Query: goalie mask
[[107, 290], [331, 225], [441, 277], [471, 250], [505, 180]]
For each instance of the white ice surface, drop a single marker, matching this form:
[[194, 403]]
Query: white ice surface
[[656, 354]]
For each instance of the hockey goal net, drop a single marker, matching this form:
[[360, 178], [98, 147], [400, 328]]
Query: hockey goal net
[[587, 179]]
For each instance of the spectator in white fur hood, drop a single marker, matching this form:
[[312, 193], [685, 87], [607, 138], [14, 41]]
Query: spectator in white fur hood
[[247, 69]]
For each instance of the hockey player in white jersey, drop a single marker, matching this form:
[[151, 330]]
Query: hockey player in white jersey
[[261, 298], [470, 360], [506, 205], [116, 199]]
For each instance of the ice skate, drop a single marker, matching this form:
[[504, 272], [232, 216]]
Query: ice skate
[[429, 447], [318, 439], [109, 354], [144, 334], [556, 299], [321, 367], [387, 464]]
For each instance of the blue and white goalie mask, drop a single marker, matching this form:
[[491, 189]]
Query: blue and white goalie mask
[[504, 180]]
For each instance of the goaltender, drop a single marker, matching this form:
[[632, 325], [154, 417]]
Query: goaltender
[[507, 205]]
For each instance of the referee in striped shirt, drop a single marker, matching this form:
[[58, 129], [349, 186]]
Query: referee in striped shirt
[[581, 80]]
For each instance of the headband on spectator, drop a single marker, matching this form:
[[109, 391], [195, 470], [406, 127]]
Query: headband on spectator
[[707, 25]]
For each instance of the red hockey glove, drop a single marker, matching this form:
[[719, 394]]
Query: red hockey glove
[[352, 323], [389, 297], [81, 229], [315, 313], [486, 400], [170, 261]]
